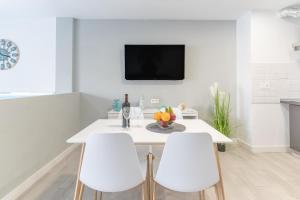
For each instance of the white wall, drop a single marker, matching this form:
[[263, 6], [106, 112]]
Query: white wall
[[35, 71], [272, 38], [99, 57], [33, 131], [244, 86], [64, 55], [274, 74], [269, 127]]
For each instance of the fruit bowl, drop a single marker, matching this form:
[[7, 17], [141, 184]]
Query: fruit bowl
[[165, 119], [167, 126]]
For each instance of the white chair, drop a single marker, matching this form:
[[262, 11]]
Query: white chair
[[110, 164], [188, 163]]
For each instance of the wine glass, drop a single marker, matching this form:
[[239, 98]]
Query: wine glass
[[126, 115], [139, 116]]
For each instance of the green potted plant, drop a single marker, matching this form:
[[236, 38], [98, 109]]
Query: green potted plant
[[220, 104]]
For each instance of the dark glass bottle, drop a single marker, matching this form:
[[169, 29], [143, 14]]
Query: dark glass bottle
[[126, 112]]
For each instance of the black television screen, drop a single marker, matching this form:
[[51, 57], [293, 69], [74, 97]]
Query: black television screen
[[154, 62]]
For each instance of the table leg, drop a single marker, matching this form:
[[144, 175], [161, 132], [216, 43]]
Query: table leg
[[78, 183], [220, 185], [147, 184], [149, 179]]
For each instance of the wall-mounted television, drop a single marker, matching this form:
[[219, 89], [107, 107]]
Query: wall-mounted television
[[154, 62]]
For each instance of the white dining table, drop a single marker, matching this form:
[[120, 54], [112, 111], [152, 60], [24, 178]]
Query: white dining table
[[143, 136]]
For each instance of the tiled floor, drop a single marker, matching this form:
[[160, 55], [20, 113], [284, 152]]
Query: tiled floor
[[247, 176]]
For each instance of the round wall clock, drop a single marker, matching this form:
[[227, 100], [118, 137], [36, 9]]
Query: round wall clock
[[9, 54]]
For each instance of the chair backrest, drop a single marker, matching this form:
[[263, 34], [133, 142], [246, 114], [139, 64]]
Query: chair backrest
[[135, 113], [188, 163], [178, 113], [110, 163]]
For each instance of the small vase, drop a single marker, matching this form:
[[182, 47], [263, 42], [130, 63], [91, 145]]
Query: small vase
[[116, 105], [221, 147]]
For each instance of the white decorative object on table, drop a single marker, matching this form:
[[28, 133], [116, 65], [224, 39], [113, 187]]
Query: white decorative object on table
[[181, 106], [141, 102]]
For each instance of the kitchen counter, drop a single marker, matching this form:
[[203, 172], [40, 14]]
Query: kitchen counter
[[291, 101], [294, 117]]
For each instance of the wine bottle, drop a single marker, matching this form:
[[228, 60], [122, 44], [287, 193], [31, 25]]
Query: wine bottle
[[126, 112]]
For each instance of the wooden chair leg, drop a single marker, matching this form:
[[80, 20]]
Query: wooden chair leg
[[154, 190], [95, 195], [149, 178], [81, 191], [202, 195], [220, 183], [217, 192], [78, 182], [144, 191]]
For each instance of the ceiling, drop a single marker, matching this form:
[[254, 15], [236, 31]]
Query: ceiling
[[138, 9]]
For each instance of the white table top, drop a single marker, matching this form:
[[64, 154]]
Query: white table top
[[141, 135]]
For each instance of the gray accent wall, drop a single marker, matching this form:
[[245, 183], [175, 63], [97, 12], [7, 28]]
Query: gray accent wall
[[33, 131], [99, 63]]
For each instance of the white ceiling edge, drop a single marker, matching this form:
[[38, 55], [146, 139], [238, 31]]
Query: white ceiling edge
[[138, 9]]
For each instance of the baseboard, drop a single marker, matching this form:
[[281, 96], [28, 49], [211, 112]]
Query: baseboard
[[295, 153], [244, 144], [30, 181], [235, 140], [264, 149]]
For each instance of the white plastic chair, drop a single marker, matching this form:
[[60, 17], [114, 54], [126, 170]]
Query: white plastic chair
[[188, 163], [110, 163]]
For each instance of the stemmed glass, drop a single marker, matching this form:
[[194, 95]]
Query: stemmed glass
[[126, 115], [139, 116]]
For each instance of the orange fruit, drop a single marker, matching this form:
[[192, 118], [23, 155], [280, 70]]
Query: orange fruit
[[157, 116], [165, 116]]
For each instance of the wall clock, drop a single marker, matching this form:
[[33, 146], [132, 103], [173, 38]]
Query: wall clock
[[9, 54]]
